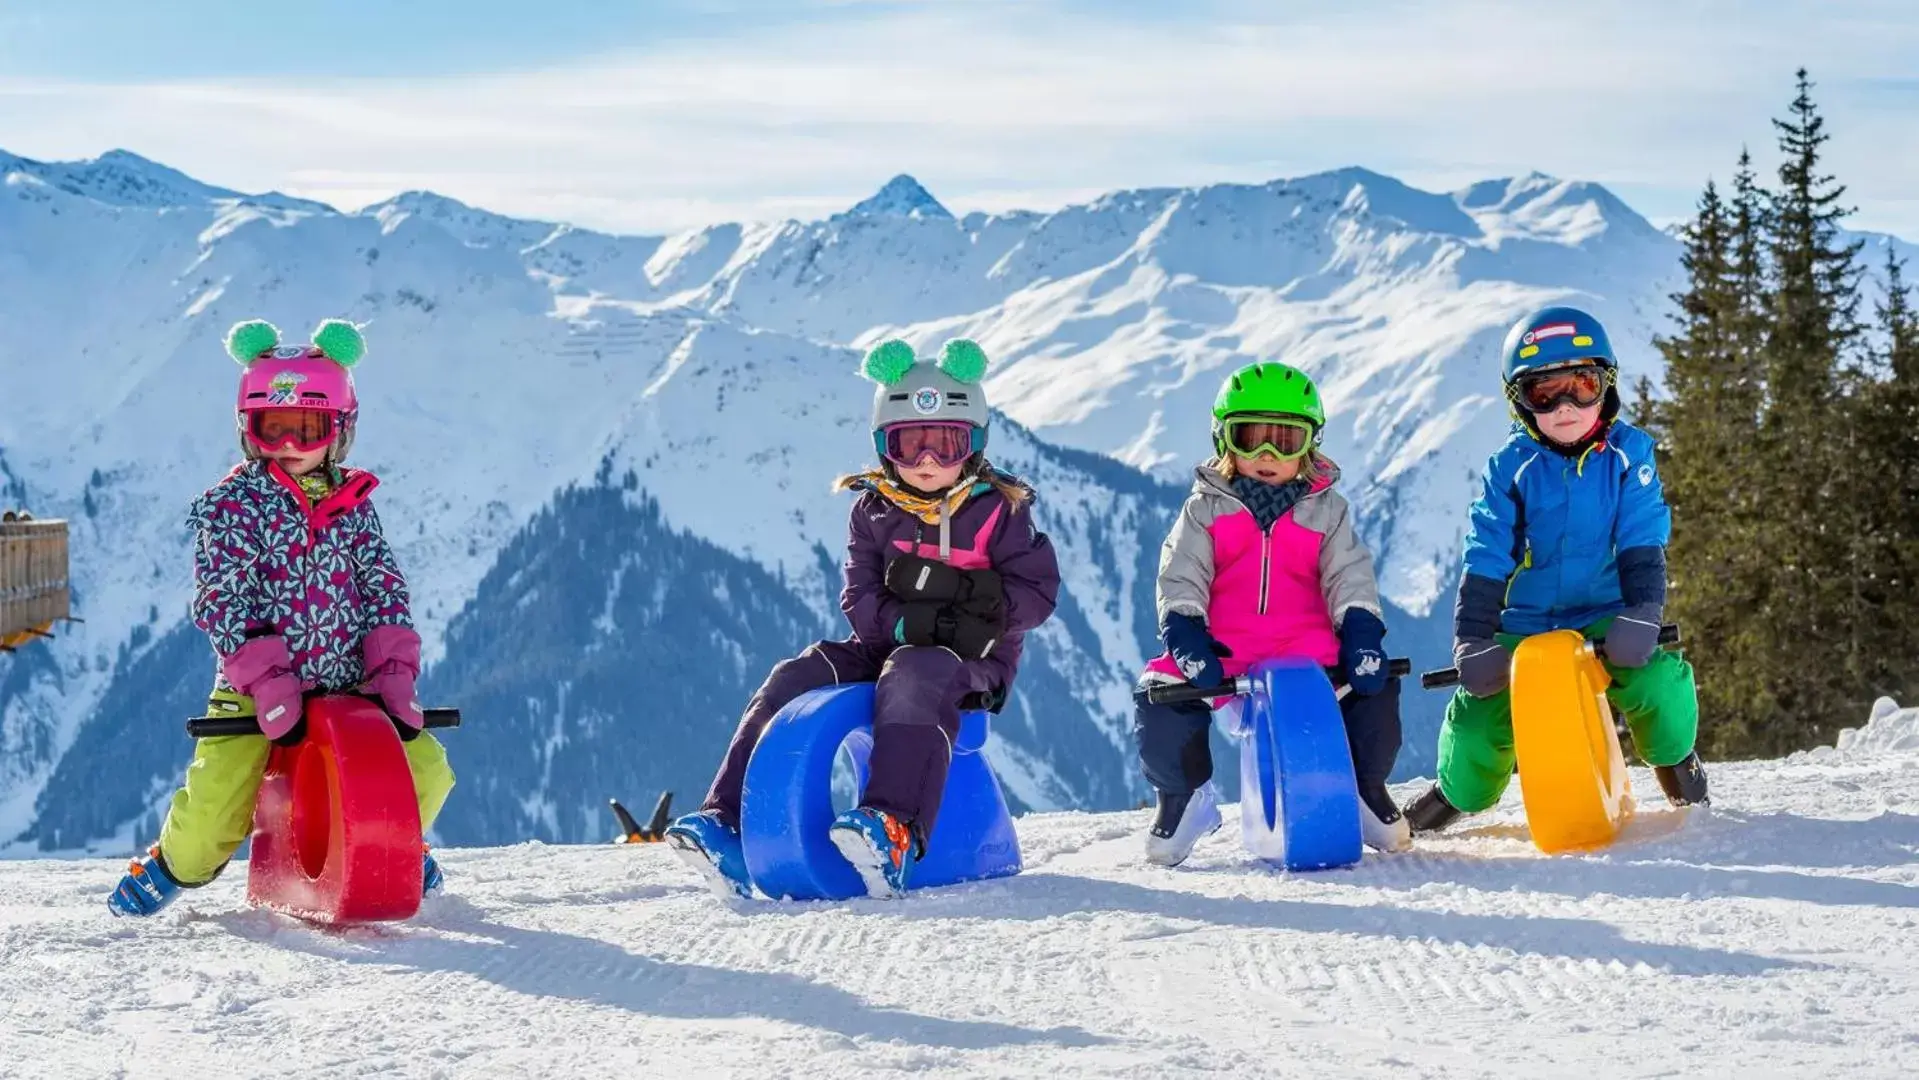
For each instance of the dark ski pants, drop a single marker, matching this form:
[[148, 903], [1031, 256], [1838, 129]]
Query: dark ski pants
[[1175, 757], [915, 720]]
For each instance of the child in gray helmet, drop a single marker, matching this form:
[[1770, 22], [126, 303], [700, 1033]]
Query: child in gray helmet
[[945, 575]]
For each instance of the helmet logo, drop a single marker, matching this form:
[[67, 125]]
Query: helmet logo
[[289, 352], [1540, 333], [926, 401], [285, 388]]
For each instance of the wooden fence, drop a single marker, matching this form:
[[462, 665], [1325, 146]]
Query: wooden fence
[[33, 578]]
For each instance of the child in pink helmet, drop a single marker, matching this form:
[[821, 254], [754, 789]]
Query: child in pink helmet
[[299, 593]]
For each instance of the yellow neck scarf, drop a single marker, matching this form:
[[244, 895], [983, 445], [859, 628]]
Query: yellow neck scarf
[[925, 507]]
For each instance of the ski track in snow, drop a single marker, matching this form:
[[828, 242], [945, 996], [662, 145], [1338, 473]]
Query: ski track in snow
[[1776, 935]]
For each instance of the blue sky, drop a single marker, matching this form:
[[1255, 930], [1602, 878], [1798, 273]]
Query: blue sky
[[660, 116]]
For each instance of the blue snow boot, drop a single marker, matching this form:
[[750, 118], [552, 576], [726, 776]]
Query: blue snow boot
[[712, 848], [880, 846], [431, 880], [146, 889]]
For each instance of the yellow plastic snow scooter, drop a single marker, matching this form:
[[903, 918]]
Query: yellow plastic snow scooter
[[33, 579], [1572, 772]]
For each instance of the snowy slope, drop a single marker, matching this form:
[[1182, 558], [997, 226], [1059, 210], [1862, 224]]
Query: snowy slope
[[482, 398], [512, 358], [1771, 936]]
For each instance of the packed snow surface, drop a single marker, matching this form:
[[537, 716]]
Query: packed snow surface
[[1776, 934]]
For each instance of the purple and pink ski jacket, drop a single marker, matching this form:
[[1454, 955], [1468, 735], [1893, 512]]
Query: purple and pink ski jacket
[[988, 531], [269, 561], [1282, 592]]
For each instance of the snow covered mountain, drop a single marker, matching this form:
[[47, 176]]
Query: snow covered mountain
[[1770, 935], [694, 394]]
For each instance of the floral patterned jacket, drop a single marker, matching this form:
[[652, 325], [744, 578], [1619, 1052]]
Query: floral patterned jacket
[[268, 560]]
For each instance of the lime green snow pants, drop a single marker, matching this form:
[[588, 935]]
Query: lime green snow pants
[[1476, 757], [212, 813]]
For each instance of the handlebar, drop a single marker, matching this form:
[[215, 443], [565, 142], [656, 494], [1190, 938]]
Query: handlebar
[[1439, 680], [1181, 693], [208, 727]]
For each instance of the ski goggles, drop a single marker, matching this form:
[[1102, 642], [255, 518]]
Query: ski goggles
[[304, 430], [1285, 438], [1544, 391], [948, 441]]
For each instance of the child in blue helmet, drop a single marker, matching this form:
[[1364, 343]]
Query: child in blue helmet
[[1570, 532]]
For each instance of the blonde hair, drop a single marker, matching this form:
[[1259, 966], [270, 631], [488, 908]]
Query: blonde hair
[[1312, 468]]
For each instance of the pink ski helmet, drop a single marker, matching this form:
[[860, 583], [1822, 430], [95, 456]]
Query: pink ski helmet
[[316, 378]]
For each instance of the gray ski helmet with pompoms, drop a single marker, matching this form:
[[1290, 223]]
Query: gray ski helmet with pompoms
[[946, 388]]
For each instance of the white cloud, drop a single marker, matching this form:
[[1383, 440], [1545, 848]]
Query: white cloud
[[994, 105]]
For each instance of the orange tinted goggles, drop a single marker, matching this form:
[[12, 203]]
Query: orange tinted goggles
[[1544, 391]]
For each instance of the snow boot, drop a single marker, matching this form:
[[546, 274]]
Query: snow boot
[[1384, 828], [712, 848], [880, 846], [148, 886], [1181, 821], [1431, 812], [431, 879], [1684, 783]]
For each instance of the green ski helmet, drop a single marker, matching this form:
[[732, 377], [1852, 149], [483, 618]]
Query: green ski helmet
[[1267, 389]]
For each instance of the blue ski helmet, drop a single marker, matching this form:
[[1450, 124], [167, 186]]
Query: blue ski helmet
[[1555, 335]]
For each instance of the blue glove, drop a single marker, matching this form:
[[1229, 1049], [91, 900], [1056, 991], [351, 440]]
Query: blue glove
[[1362, 652], [1194, 649]]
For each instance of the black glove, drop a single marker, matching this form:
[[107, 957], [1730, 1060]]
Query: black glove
[[915, 577], [971, 636], [982, 593], [1195, 650], [1485, 667], [1633, 637]]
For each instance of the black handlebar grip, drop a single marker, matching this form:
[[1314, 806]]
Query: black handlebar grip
[[209, 727], [1180, 693]]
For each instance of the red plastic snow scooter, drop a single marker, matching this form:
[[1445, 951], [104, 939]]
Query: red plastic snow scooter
[[336, 826]]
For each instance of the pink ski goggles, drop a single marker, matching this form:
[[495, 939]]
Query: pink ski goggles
[[949, 442]]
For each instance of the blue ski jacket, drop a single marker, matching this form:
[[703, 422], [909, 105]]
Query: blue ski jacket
[[1552, 532]]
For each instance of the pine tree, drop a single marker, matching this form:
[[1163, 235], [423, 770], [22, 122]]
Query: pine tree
[[1901, 324], [1809, 613], [1885, 497], [1706, 428]]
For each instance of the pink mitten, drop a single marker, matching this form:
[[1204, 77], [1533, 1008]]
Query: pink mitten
[[262, 669], [392, 658]]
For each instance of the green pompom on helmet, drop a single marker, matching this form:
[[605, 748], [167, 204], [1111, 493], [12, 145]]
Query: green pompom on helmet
[[888, 362], [341, 341], [1267, 389], [964, 360], [247, 340]]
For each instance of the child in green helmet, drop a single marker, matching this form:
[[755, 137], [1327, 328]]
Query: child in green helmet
[[1262, 563], [1570, 533]]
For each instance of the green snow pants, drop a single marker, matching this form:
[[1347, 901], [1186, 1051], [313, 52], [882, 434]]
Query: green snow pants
[[1659, 703], [212, 813]]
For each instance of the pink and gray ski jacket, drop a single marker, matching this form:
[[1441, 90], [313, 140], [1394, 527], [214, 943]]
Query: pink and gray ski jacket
[[320, 575], [1282, 592]]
